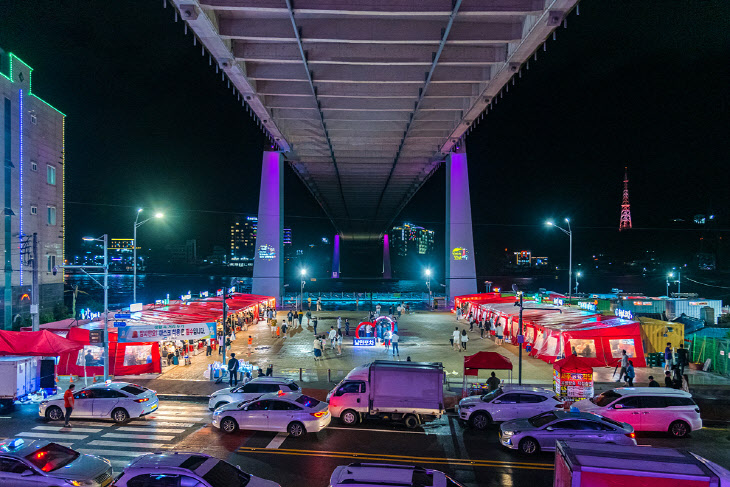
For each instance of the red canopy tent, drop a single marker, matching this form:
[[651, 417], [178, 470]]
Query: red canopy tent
[[573, 365], [485, 360], [573, 378], [36, 344]]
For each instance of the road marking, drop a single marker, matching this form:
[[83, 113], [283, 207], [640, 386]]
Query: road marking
[[166, 417], [185, 408], [167, 423], [130, 444], [378, 430], [132, 436], [111, 453], [67, 429], [400, 458], [32, 434], [277, 441], [149, 428]]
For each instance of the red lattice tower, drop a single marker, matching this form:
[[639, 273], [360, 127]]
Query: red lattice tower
[[625, 222]]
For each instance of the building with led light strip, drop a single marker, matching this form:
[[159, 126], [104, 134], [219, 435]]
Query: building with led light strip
[[32, 186]]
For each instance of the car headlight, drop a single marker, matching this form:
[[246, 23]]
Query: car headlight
[[466, 406], [216, 413], [509, 433]]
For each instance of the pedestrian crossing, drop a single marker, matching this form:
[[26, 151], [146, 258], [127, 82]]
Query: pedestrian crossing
[[121, 443]]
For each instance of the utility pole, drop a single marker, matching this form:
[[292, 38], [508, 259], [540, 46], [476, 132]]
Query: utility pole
[[35, 294], [106, 306], [225, 319]]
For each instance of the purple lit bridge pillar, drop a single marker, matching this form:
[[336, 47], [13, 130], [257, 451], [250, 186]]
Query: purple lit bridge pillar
[[460, 269], [268, 264], [336, 259], [387, 274]]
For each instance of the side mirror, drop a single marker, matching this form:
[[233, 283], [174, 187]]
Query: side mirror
[[496, 401], [27, 473], [549, 428]]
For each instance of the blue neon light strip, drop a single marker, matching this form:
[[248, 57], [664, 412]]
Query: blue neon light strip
[[20, 184]]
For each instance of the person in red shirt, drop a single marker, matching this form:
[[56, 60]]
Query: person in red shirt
[[68, 402]]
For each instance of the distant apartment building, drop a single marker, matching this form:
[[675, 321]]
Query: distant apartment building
[[243, 239], [32, 142], [186, 253], [410, 239]]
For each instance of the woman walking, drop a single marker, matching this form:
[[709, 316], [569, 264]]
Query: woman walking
[[317, 349], [464, 339], [339, 342], [498, 335]]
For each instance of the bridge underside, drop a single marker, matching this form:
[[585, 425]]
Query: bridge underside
[[366, 98]]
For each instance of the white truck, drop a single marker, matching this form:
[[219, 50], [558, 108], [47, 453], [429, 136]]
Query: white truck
[[19, 378], [579, 464], [407, 392]]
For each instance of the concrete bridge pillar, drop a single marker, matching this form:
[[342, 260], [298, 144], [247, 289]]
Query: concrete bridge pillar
[[268, 264], [336, 258], [387, 274], [460, 269]]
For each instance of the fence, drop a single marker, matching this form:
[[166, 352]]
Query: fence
[[714, 349]]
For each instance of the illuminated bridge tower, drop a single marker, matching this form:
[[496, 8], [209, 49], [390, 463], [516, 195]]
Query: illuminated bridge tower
[[625, 223]]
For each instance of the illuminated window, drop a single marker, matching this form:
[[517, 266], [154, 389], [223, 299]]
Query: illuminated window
[[582, 347], [33, 118], [51, 175], [51, 262], [622, 344], [33, 210], [33, 166], [51, 215]]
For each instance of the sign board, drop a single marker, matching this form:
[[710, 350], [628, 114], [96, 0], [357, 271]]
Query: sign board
[[96, 336], [122, 316], [134, 307], [624, 314], [587, 306], [120, 323], [33, 309], [159, 333], [363, 342], [558, 301]]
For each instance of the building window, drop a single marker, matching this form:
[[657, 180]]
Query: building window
[[33, 166], [33, 118], [33, 210], [51, 262], [51, 215], [51, 175]]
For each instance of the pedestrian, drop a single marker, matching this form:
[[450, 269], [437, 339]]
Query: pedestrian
[[309, 316], [624, 365], [377, 309], [682, 358], [398, 310], [347, 327], [250, 344], [482, 326], [283, 329], [261, 372], [458, 314], [317, 349], [68, 402], [290, 317], [314, 324], [208, 348], [471, 324], [630, 374], [408, 358], [233, 371], [319, 304], [685, 383], [667, 379], [390, 310], [499, 338], [652, 382], [456, 339], [386, 339], [464, 339], [408, 308], [270, 371], [300, 317], [273, 328], [339, 342], [394, 339], [493, 382], [378, 332], [368, 330], [332, 336], [309, 305], [668, 357], [339, 323]]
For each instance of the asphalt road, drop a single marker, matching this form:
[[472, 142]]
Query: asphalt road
[[471, 457]]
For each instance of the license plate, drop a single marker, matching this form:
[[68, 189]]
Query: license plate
[[107, 482], [154, 406]]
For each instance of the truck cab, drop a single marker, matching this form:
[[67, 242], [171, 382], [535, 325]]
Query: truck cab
[[350, 395]]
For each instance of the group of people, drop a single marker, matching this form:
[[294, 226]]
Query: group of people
[[334, 338]]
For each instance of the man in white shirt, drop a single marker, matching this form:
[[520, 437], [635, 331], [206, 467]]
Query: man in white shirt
[[394, 340], [456, 339], [332, 336], [339, 322]]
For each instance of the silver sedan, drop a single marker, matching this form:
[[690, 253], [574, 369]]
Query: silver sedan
[[540, 432]]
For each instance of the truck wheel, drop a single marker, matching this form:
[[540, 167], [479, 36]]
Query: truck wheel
[[54, 413], [529, 446], [480, 421], [411, 421], [349, 417], [679, 429]]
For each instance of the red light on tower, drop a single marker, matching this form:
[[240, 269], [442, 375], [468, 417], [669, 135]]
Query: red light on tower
[[625, 223]]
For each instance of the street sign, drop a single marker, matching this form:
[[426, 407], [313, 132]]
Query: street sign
[[363, 342], [120, 323], [96, 336], [122, 316]]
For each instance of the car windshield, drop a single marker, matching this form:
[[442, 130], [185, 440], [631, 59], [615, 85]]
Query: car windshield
[[491, 395], [542, 419], [224, 474], [605, 399], [52, 457], [306, 401]]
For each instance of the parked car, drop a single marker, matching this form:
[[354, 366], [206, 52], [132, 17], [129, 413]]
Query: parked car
[[119, 401], [542, 431], [185, 469], [379, 474], [42, 463], [251, 390], [504, 404], [292, 412], [648, 409]]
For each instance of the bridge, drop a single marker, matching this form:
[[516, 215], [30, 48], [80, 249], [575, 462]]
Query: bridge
[[365, 100]]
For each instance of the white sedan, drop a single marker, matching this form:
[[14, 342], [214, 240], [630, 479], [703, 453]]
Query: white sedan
[[292, 412], [505, 404], [119, 401]]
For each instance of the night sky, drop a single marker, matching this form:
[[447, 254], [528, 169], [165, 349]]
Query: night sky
[[643, 84]]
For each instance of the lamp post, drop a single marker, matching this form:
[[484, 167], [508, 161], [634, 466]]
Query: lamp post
[[105, 241], [138, 224], [577, 275], [678, 281], [303, 273], [569, 233], [428, 286]]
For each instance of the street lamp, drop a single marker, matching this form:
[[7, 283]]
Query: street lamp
[[138, 224], [577, 275], [105, 240], [677, 281], [428, 285], [303, 272], [569, 233]]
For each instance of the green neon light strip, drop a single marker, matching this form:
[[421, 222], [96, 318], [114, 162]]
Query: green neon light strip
[[30, 80], [44, 101]]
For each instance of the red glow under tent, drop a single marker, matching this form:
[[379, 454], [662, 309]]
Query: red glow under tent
[[36, 344], [485, 361]]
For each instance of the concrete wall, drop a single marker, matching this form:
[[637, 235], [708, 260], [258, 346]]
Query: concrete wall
[[460, 269]]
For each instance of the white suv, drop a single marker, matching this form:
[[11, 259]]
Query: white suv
[[648, 409], [251, 390], [505, 404], [377, 474]]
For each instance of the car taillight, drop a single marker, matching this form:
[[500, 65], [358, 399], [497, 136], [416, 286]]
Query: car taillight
[[631, 435], [319, 414], [144, 399]]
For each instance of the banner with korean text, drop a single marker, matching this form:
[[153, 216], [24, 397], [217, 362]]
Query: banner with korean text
[[166, 332]]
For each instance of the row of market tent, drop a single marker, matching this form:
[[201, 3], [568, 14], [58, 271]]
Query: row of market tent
[[134, 348]]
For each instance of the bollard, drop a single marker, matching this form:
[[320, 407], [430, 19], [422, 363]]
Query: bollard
[[329, 375], [300, 375]]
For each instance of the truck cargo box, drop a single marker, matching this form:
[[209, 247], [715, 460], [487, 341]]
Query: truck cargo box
[[406, 386]]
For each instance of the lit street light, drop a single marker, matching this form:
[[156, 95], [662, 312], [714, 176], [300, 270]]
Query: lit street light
[[676, 281], [303, 272], [577, 275], [569, 233], [138, 224], [428, 286]]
